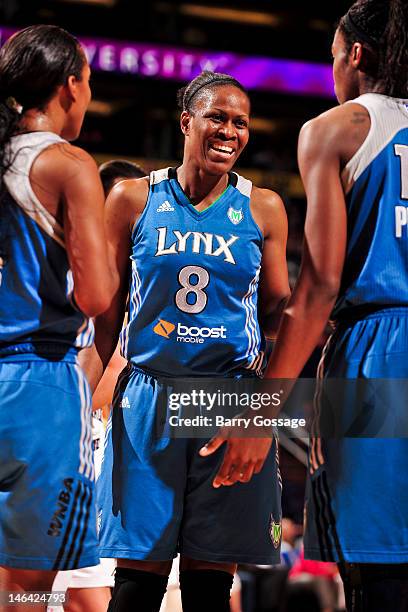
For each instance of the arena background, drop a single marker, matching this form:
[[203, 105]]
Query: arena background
[[141, 52]]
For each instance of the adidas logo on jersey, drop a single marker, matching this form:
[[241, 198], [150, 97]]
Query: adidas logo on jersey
[[165, 207], [125, 402]]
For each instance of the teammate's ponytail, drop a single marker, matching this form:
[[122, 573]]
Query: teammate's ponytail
[[394, 61], [9, 119], [382, 26]]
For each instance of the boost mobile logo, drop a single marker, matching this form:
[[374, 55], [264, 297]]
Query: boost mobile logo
[[164, 328], [194, 335]]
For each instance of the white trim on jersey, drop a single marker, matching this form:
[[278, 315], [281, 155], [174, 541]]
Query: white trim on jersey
[[135, 305], [251, 325], [157, 176], [388, 116], [24, 149], [136, 299], [244, 185], [86, 466], [86, 334], [124, 340]]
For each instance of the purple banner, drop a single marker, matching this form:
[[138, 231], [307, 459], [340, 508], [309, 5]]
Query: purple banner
[[163, 62]]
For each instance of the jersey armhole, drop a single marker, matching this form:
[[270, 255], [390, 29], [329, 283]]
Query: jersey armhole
[[144, 212], [245, 186], [348, 174], [38, 213]]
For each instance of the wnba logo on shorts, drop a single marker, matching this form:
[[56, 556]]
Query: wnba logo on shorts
[[275, 531], [164, 328]]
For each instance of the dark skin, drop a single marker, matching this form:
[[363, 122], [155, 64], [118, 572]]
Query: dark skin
[[326, 144], [216, 132]]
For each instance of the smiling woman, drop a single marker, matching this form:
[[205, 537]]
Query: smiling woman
[[208, 272], [220, 108]]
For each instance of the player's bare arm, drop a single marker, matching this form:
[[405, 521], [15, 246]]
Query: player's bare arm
[[65, 179], [321, 152], [123, 207]]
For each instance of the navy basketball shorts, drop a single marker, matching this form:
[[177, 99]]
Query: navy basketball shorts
[[357, 491], [47, 506], [156, 494]]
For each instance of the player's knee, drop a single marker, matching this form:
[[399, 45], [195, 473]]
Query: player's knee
[[28, 580], [205, 589], [155, 567], [137, 590], [187, 563]]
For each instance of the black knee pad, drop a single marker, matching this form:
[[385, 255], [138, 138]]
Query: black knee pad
[[204, 590], [137, 591]]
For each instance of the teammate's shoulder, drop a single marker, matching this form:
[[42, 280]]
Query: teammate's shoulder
[[266, 199], [268, 211], [130, 193], [61, 163], [66, 159], [333, 123], [68, 154]]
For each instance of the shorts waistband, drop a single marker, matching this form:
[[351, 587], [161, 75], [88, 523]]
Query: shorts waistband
[[242, 373], [38, 351], [373, 313]]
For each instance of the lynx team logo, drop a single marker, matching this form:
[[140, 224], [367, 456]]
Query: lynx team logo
[[275, 531], [164, 328], [235, 216]]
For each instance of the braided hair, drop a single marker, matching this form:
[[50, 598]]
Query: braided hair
[[382, 26]]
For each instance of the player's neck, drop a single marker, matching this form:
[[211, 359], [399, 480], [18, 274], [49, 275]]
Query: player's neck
[[50, 119], [199, 186]]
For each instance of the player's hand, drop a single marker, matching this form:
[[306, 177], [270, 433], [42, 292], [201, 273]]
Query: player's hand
[[243, 457]]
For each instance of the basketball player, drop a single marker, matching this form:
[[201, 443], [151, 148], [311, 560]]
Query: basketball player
[[88, 588], [354, 165], [55, 273], [203, 244]]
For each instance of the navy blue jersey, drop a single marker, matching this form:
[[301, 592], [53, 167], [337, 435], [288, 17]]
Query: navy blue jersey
[[36, 286], [375, 181], [194, 282]]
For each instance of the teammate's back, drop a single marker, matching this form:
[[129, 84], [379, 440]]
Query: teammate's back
[[36, 286], [375, 182], [55, 272]]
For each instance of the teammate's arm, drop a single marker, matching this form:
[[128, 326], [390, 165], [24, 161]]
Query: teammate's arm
[[312, 300], [66, 179], [269, 211], [123, 207]]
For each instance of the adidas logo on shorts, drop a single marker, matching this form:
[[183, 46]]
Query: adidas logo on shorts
[[165, 207], [125, 402]]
